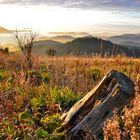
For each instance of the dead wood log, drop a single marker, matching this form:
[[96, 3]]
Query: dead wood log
[[86, 118]]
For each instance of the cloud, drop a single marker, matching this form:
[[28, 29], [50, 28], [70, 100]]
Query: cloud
[[117, 5]]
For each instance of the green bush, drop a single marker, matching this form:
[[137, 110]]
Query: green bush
[[37, 102], [51, 123], [43, 66], [94, 73], [34, 78], [2, 75], [46, 78], [40, 133], [65, 97], [24, 116]]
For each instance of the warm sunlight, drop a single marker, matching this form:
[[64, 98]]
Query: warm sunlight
[[48, 19], [43, 19], [69, 69]]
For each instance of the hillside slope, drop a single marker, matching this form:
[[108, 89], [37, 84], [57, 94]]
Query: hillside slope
[[41, 47], [92, 45], [126, 39], [4, 30], [85, 46], [62, 39]]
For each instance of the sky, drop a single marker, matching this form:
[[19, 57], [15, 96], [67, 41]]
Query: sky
[[97, 17]]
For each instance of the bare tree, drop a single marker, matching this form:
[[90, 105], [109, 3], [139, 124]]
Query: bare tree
[[25, 43]]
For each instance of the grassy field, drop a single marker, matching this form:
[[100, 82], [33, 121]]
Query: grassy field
[[29, 111]]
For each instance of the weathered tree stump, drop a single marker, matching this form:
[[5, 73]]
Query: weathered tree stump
[[86, 118]]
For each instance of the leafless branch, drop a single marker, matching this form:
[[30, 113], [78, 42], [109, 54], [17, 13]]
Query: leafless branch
[[25, 43]]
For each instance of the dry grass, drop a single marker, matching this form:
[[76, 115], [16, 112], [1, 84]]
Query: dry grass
[[127, 124], [72, 74]]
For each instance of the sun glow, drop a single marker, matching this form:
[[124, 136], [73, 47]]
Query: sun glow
[[49, 19], [44, 19]]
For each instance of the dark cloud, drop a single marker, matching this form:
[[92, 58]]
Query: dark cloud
[[84, 4]]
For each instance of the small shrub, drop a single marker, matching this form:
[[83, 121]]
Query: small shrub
[[24, 116], [40, 133], [37, 102], [57, 136], [43, 66], [34, 102], [50, 123], [94, 73], [125, 125], [2, 75], [33, 78], [65, 97], [11, 79], [46, 78]]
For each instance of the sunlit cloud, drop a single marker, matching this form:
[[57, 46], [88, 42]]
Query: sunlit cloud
[[92, 16], [86, 4]]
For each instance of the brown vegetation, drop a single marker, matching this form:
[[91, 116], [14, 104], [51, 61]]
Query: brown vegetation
[[32, 112]]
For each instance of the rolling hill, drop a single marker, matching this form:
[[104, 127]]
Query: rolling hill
[[62, 38], [88, 45], [74, 34], [92, 45], [4, 30], [126, 39], [41, 47], [130, 44], [85, 46]]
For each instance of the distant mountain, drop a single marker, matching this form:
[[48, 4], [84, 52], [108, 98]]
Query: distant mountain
[[4, 30], [92, 45], [85, 46], [88, 45], [130, 44], [126, 39], [74, 34], [62, 38], [12, 46], [41, 47]]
